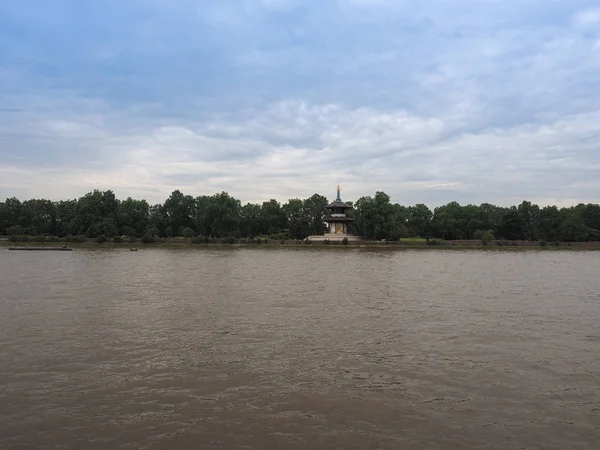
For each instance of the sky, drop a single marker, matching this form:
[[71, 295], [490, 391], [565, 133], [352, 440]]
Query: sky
[[430, 101]]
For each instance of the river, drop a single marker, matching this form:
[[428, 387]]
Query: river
[[299, 349]]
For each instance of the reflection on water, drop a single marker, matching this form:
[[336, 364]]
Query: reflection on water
[[299, 349]]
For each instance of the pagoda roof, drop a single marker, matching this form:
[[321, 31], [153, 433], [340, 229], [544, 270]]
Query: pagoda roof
[[339, 204]]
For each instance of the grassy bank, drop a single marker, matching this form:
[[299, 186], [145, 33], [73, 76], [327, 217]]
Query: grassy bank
[[402, 245]]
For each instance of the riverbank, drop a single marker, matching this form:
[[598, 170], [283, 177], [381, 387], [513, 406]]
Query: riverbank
[[371, 245]]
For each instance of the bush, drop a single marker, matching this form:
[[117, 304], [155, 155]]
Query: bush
[[149, 238], [227, 240], [127, 231], [543, 243], [435, 242], [79, 238], [200, 240], [132, 239], [345, 241], [106, 228], [188, 233], [18, 238], [487, 237], [152, 231], [117, 239], [17, 230], [278, 236], [258, 240], [101, 239], [326, 242], [478, 234]]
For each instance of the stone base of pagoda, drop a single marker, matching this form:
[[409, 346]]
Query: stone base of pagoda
[[335, 237]]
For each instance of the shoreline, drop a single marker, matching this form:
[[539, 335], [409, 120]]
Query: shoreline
[[395, 246]]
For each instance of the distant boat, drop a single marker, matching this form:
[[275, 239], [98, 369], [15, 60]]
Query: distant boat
[[55, 249]]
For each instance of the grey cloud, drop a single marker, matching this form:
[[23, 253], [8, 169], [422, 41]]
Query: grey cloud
[[436, 101]]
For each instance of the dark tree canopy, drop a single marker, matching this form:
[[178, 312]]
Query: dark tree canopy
[[99, 215]]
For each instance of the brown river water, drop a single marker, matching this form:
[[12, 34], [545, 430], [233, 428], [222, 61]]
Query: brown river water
[[299, 349]]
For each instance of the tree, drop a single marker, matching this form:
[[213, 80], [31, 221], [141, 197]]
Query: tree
[[549, 221], [418, 220], [134, 217], [299, 222], [96, 207], [528, 221], [10, 214], [250, 224], [38, 217], [100, 213], [106, 228], [510, 225], [218, 215], [178, 212], [314, 208], [66, 212], [273, 218], [449, 222], [377, 218]]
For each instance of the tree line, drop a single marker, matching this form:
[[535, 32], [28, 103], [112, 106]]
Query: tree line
[[99, 214]]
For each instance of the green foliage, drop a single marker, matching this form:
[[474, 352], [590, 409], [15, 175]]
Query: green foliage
[[418, 220], [487, 237], [188, 233], [79, 238], [16, 230], [436, 242], [377, 218], [18, 238], [222, 217], [104, 228], [149, 238], [133, 217], [200, 240], [117, 239], [478, 234], [345, 241], [26, 238], [101, 239]]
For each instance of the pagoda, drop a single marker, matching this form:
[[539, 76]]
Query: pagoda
[[337, 222]]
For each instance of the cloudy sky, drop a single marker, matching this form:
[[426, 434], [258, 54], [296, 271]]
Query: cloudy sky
[[430, 100]]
